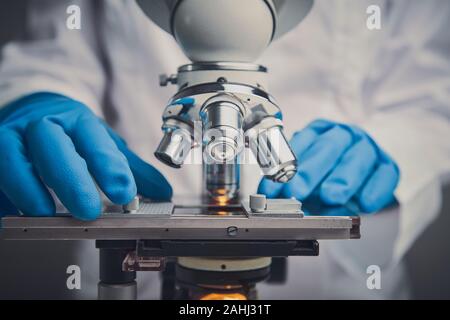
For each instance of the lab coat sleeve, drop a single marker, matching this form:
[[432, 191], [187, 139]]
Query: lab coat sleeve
[[410, 115], [53, 58]]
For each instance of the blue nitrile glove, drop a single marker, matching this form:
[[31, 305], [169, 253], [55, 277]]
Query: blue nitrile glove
[[339, 163], [48, 140]]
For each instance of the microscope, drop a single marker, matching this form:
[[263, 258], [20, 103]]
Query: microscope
[[222, 104], [223, 246]]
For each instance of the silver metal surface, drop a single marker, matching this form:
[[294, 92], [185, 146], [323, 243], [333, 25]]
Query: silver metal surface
[[254, 103], [108, 292], [133, 206], [275, 208], [258, 203], [222, 130], [134, 263], [272, 151], [150, 227], [222, 181], [284, 205], [224, 264], [175, 146], [243, 92], [164, 209], [243, 108], [224, 66]]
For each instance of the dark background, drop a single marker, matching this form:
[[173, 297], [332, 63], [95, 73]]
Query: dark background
[[428, 261]]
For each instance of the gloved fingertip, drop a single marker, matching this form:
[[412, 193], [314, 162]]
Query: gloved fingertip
[[297, 188], [379, 192], [154, 186], [370, 205], [322, 124], [334, 194], [87, 214], [290, 192], [85, 207], [165, 193], [6, 207], [157, 190], [42, 210], [150, 182], [369, 208], [122, 190], [32, 202], [270, 189]]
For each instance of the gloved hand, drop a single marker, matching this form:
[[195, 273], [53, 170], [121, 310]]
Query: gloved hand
[[50, 141], [338, 163]]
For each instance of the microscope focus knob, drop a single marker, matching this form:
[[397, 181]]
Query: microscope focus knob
[[165, 80]]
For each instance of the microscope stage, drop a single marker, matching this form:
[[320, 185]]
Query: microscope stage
[[166, 221]]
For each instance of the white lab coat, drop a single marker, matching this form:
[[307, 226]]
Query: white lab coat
[[393, 82]]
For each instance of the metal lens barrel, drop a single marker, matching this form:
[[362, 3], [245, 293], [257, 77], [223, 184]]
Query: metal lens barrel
[[273, 153], [174, 147], [223, 142]]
